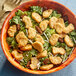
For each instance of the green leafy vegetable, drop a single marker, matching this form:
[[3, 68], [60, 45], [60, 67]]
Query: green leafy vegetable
[[16, 20], [22, 28], [42, 59], [12, 42], [28, 13], [55, 14], [66, 23], [19, 13], [73, 36], [46, 45], [36, 9], [49, 32], [10, 50], [28, 54]]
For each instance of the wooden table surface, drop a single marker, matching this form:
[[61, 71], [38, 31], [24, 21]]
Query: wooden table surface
[[7, 69]]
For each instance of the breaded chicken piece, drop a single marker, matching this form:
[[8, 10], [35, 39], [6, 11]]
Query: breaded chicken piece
[[54, 39], [59, 28], [12, 30], [38, 45], [36, 17], [55, 60], [17, 55], [61, 21], [42, 54], [68, 41], [34, 63], [46, 67], [28, 22], [68, 29], [31, 33], [52, 22], [57, 50], [47, 13], [43, 24], [26, 48], [39, 38], [21, 39]]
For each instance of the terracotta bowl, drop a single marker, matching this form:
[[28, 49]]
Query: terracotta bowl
[[49, 4]]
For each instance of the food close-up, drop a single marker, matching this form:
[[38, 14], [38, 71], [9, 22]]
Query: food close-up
[[40, 39]]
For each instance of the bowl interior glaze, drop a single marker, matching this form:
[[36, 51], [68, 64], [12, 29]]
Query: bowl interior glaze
[[25, 6]]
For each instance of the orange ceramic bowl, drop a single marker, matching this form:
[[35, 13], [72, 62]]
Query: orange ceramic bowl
[[49, 4]]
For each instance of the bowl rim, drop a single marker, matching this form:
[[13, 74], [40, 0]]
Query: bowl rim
[[28, 70]]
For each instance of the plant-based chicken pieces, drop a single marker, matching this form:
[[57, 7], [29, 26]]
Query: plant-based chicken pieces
[[54, 39], [43, 25], [46, 67], [40, 39], [26, 48], [61, 21], [59, 28], [17, 55], [42, 54], [27, 21], [52, 22], [34, 63], [57, 50], [47, 13], [38, 46], [21, 39], [62, 35], [55, 60], [68, 29], [31, 33], [36, 17], [68, 41], [12, 30]]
